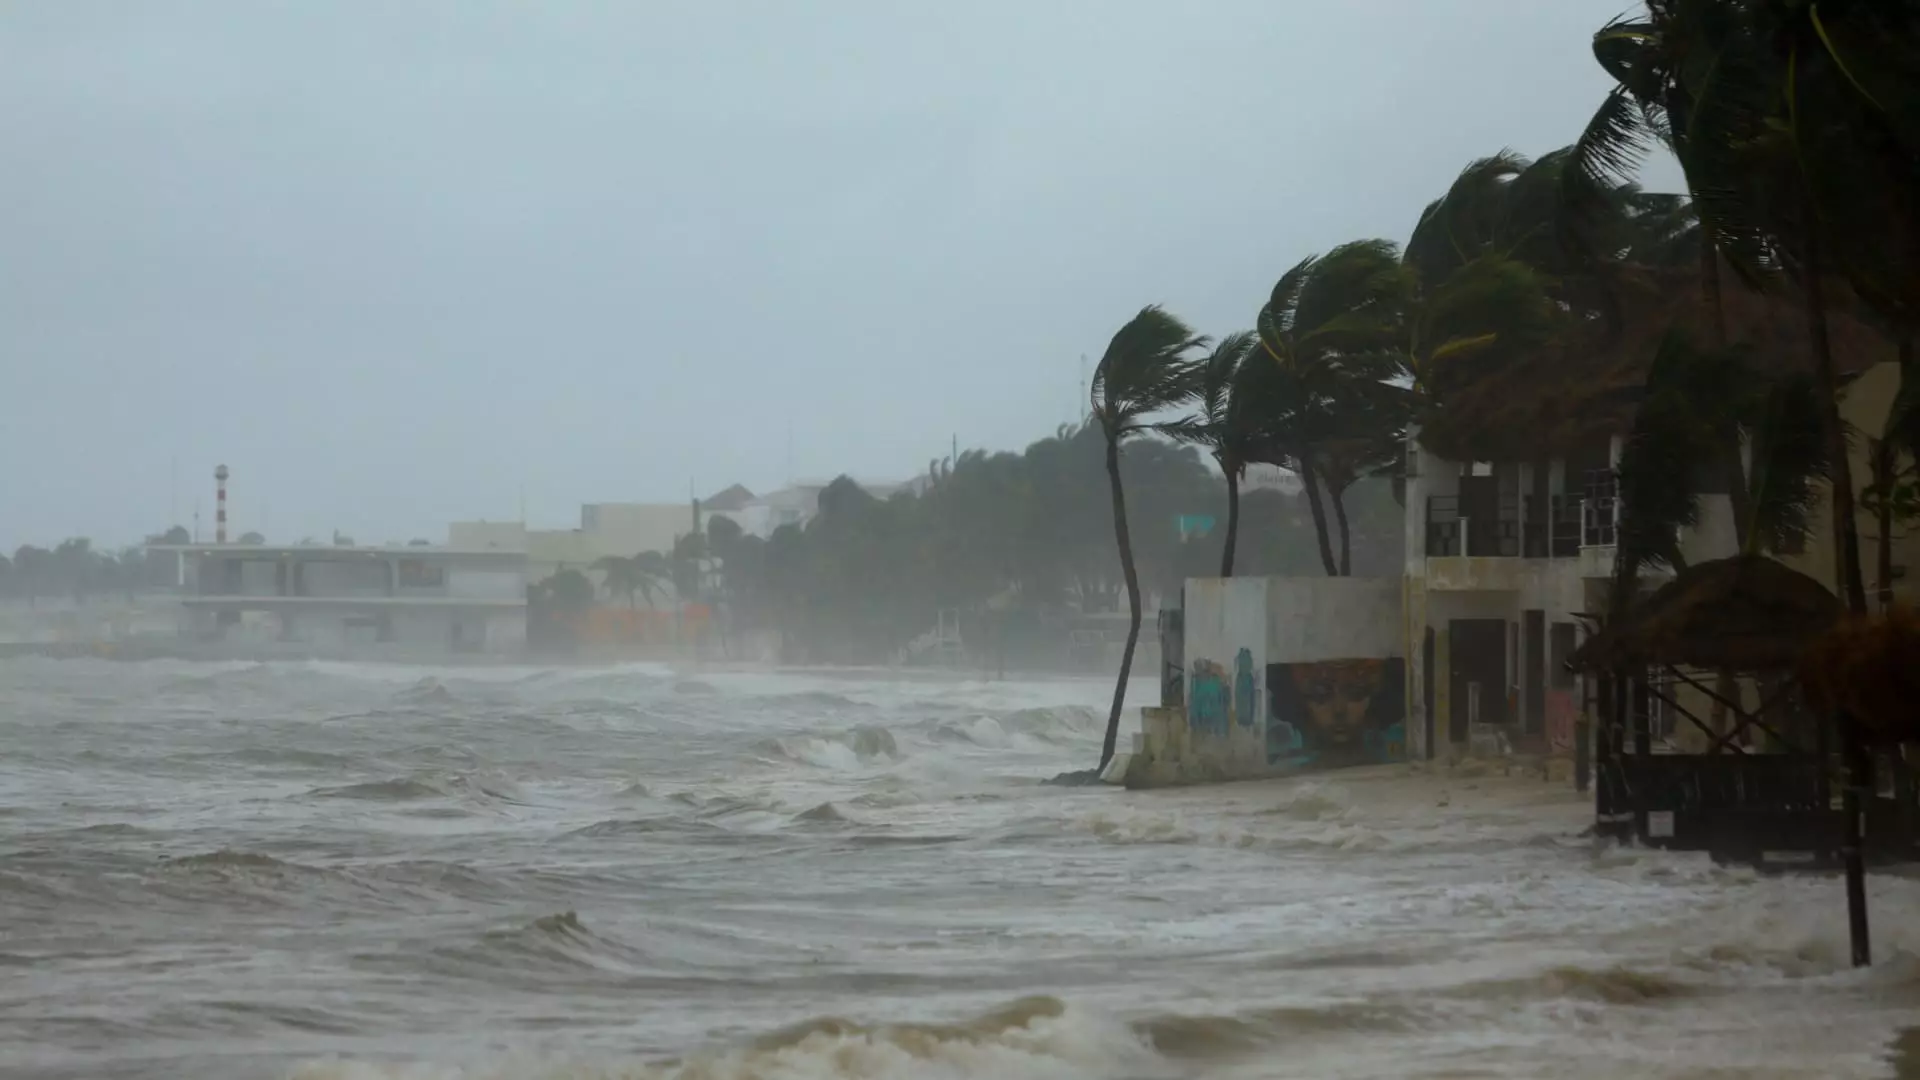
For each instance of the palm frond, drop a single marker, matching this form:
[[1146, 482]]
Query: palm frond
[[1275, 321], [1789, 452], [1144, 370]]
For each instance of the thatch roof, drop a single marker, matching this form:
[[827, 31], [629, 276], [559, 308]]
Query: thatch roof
[[1746, 613], [1870, 666], [1578, 393]]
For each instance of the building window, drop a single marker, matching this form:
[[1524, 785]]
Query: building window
[[416, 574]]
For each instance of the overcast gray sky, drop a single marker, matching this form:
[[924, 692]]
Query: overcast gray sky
[[395, 263]]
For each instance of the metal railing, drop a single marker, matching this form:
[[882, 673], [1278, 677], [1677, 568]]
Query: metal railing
[[1600, 509], [1558, 530]]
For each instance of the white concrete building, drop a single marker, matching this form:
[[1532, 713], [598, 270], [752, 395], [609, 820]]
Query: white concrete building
[[357, 602], [1502, 561]]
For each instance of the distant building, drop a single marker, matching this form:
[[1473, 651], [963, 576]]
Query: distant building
[[795, 504], [606, 529], [362, 602]]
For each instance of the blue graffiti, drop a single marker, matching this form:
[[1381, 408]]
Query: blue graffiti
[[1208, 703], [1245, 698]]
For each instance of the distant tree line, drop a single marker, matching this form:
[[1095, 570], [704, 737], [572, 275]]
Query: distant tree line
[[74, 569], [1020, 544]]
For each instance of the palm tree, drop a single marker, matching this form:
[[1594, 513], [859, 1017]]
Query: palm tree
[[1145, 370], [1893, 494], [619, 577], [1328, 333], [1718, 83], [653, 572], [1226, 424]]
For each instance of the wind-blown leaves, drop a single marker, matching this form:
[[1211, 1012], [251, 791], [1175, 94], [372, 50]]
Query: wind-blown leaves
[[1145, 370]]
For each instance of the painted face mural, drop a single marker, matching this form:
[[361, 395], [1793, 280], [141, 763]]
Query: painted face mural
[[1336, 712]]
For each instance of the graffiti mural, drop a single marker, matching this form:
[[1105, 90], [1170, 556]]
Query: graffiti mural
[[1221, 700], [1246, 691], [1209, 699], [1336, 713]]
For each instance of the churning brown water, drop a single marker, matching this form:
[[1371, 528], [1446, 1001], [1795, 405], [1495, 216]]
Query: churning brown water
[[340, 871]]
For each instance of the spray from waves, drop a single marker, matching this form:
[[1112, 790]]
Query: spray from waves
[[850, 749], [1033, 1038], [812, 699], [1039, 1038], [998, 731], [428, 691]]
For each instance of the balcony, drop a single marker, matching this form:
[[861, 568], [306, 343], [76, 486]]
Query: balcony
[[1558, 527], [1450, 532]]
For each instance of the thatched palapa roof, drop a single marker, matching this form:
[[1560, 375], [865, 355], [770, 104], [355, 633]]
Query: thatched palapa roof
[[1870, 666], [1745, 613], [1577, 393]]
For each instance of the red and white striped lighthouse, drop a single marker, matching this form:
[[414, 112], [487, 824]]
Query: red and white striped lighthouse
[[220, 505]]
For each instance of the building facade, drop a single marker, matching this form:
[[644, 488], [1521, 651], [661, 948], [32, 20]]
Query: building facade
[[1508, 563], [354, 602]]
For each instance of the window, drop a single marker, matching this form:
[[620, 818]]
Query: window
[[417, 574]]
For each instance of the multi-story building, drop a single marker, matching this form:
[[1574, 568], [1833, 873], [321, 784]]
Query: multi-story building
[[371, 602], [1508, 562]]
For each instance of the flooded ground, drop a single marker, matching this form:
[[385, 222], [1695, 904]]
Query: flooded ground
[[317, 870]]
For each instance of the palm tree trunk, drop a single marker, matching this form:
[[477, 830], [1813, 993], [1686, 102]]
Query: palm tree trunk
[[1883, 463], [1339, 500], [1846, 555], [1233, 518], [1846, 538], [1739, 497], [1312, 487], [1125, 541]]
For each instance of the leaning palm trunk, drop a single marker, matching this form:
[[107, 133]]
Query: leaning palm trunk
[[1319, 510], [1726, 686], [1233, 517], [1338, 496], [1883, 468], [1132, 577], [1846, 539]]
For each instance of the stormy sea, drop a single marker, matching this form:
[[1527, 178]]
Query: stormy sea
[[333, 871]]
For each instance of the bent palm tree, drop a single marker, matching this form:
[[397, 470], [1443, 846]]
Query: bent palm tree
[[1144, 371], [1328, 331], [1225, 425]]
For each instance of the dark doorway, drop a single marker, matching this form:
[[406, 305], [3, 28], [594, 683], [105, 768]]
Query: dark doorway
[[1478, 649], [1533, 646], [1480, 509], [1426, 688]]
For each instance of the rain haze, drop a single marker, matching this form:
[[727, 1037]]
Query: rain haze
[[863, 540], [402, 264]]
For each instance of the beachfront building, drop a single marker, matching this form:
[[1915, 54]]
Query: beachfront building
[[1513, 518], [1502, 560], [358, 602]]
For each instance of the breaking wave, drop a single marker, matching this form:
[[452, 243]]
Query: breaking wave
[[844, 750], [468, 787]]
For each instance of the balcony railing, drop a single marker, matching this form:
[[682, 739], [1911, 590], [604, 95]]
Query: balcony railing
[[1449, 532], [1600, 509], [1558, 530]]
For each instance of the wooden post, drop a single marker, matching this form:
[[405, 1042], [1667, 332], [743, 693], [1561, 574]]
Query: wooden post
[[1858, 776], [1642, 744]]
